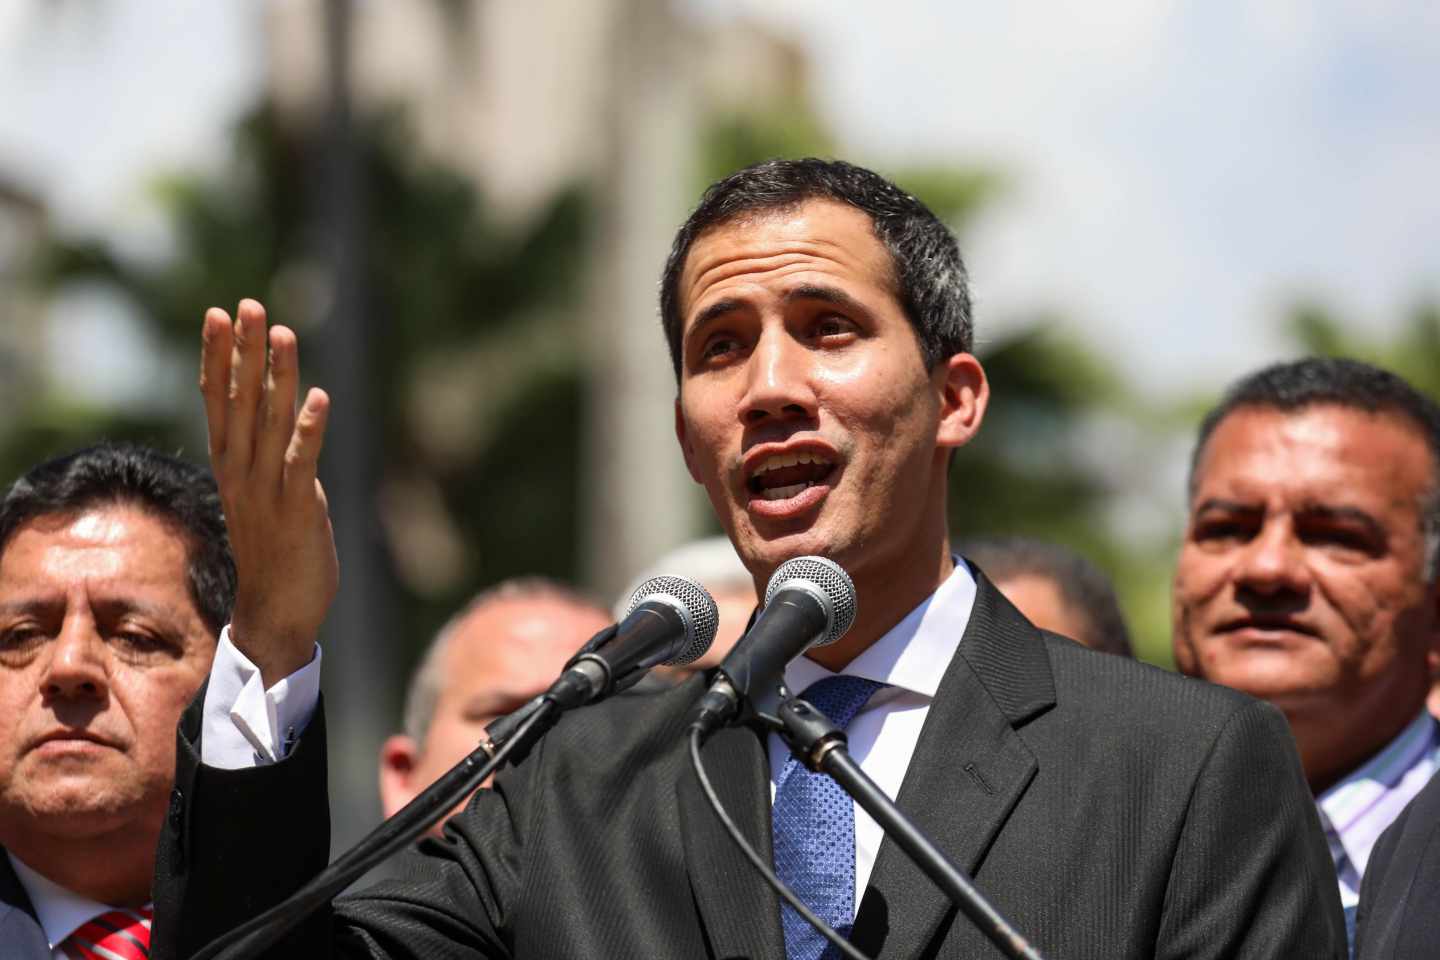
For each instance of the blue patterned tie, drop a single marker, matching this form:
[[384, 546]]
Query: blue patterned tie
[[813, 822]]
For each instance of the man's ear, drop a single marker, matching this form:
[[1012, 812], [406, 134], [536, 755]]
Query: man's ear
[[964, 394], [681, 435], [399, 756]]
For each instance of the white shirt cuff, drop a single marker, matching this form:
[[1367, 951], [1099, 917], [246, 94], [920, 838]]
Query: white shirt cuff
[[246, 725]]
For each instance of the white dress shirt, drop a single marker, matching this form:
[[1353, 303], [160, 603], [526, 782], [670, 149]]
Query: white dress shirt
[[60, 912], [910, 658], [245, 725]]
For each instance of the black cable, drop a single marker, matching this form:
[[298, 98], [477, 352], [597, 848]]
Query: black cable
[[758, 861], [264, 930]]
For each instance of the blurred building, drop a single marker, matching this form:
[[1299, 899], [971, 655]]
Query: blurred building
[[23, 224]]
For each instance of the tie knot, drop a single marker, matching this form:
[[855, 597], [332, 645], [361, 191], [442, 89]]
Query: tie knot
[[840, 697], [115, 933]]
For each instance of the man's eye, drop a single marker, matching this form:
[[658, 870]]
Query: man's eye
[[140, 641], [719, 347], [833, 326], [1339, 537], [20, 637], [1223, 530]]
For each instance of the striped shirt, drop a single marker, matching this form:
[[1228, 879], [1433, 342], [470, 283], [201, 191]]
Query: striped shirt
[[1357, 810]]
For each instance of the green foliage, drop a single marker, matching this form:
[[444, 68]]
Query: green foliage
[[444, 280], [1414, 353]]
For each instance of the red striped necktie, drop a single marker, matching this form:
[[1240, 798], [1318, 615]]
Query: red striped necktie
[[114, 935]]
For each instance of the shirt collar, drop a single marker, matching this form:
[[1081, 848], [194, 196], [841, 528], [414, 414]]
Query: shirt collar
[[59, 911], [911, 655]]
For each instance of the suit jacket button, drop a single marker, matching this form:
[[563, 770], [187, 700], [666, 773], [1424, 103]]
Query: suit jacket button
[[177, 808]]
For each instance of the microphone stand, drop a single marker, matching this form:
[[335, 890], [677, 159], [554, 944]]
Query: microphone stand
[[821, 746], [507, 740]]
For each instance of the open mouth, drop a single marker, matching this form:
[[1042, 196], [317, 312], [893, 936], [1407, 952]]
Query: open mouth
[[781, 476]]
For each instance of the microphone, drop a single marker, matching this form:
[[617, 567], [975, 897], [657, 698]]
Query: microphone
[[669, 620], [809, 602]]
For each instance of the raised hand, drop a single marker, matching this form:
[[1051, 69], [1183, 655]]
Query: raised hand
[[264, 454]]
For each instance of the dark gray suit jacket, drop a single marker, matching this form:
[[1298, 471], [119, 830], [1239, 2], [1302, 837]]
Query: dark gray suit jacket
[[1399, 915], [1108, 808], [21, 936]]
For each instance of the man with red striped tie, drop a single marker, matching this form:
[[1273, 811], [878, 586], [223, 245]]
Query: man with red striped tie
[[115, 578]]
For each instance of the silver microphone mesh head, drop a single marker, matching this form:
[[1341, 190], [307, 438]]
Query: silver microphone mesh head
[[826, 581], [696, 608]]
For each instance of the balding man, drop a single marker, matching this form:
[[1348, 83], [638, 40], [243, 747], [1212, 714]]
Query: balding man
[[507, 646]]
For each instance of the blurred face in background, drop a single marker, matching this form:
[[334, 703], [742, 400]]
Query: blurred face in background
[[1302, 577], [1043, 603], [502, 654]]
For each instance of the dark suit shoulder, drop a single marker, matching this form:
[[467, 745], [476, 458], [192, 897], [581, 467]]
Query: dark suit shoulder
[[1113, 695], [1397, 916]]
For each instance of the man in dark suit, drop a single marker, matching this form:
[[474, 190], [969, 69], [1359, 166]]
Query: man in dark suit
[[1309, 576], [819, 326], [115, 578], [1400, 897]]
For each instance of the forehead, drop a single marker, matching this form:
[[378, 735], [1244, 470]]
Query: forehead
[[115, 546], [823, 238], [1324, 453], [518, 636]]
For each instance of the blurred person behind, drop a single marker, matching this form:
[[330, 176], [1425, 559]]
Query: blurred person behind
[[1307, 577], [1056, 589], [507, 645], [115, 579], [713, 563]]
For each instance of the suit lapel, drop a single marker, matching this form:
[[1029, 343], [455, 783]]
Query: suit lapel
[[969, 770], [740, 912]]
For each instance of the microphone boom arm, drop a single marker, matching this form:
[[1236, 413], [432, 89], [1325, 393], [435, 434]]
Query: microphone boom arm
[[822, 747]]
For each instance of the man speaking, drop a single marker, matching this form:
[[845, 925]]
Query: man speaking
[[820, 329]]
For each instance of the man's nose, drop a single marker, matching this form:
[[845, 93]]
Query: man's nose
[[1274, 561], [778, 384], [77, 669]]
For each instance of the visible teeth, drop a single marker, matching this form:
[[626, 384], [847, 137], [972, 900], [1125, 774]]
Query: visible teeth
[[784, 493], [779, 460]]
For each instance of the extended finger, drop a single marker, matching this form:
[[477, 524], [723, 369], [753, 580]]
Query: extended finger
[[247, 373], [282, 382], [216, 341], [302, 457]]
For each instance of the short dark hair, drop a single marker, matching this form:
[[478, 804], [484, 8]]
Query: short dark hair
[[929, 276], [1343, 382], [171, 489], [1082, 585]]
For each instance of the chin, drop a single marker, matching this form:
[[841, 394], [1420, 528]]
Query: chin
[[84, 806]]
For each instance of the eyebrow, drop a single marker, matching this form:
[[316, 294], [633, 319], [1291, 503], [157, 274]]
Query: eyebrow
[[1352, 514], [1229, 506], [807, 291], [15, 607], [1312, 510]]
